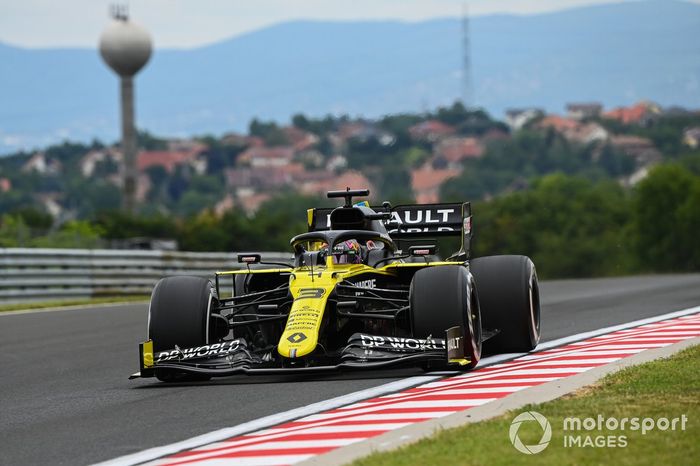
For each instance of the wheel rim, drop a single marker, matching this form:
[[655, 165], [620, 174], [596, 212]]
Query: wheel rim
[[534, 307], [474, 325], [475, 322]]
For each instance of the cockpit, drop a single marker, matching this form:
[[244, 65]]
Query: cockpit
[[341, 247]]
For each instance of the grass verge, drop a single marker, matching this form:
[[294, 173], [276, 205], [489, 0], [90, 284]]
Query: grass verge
[[72, 302], [665, 388]]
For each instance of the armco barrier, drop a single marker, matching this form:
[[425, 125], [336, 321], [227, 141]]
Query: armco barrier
[[48, 274]]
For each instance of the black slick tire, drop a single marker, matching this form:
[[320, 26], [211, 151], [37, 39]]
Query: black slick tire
[[510, 302], [179, 315], [443, 297]]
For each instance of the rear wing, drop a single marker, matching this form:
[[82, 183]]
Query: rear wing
[[415, 221]]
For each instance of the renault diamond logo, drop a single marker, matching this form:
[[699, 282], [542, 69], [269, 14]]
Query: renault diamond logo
[[296, 337]]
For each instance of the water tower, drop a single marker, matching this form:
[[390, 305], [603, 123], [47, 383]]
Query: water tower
[[126, 48]]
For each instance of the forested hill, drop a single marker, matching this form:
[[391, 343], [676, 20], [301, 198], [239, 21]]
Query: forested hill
[[615, 53]]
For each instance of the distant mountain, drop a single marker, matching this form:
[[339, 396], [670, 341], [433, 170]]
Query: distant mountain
[[616, 54]]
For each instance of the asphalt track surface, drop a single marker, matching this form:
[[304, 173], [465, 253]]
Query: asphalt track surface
[[65, 397]]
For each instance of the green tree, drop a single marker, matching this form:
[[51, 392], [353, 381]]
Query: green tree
[[268, 131], [300, 121], [415, 156], [13, 232], [667, 219], [571, 227], [206, 232], [193, 202], [507, 163], [74, 234], [148, 141], [118, 224], [615, 163], [88, 197], [34, 218]]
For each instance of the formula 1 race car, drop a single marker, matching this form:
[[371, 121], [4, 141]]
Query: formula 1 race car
[[364, 291]]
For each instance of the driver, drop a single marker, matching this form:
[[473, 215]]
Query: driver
[[347, 252]]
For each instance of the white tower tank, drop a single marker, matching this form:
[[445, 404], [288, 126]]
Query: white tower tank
[[126, 48]]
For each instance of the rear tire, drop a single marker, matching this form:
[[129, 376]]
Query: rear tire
[[510, 302], [443, 297], [179, 315]]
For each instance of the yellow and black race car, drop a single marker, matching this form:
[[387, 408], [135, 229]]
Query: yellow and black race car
[[364, 291]]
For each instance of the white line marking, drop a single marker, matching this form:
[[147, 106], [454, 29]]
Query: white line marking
[[466, 391], [503, 380], [545, 371], [591, 362], [459, 391], [271, 460], [412, 404], [268, 421], [514, 380], [339, 428], [278, 445], [392, 417], [283, 445], [612, 346]]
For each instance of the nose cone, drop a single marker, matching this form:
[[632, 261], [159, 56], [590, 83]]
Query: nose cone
[[125, 47]]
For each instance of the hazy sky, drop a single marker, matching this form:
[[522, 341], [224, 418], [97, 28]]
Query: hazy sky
[[189, 23]]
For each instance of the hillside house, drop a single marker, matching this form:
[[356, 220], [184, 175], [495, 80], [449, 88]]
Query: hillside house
[[426, 182], [169, 160], [516, 118], [639, 148], [40, 163], [642, 114], [256, 157], [430, 130], [328, 181], [582, 111], [453, 151], [90, 161], [691, 137]]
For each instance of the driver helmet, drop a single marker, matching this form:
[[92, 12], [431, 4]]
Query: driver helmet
[[347, 252]]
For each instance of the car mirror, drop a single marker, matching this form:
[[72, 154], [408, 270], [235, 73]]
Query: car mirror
[[249, 258], [422, 251]]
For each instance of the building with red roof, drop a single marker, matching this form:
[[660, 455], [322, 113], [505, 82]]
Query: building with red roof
[[430, 130], [452, 151], [266, 156], [558, 123], [166, 159], [426, 182], [328, 181], [5, 185], [641, 113]]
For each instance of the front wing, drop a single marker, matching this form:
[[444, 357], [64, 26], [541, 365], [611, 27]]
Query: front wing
[[362, 352]]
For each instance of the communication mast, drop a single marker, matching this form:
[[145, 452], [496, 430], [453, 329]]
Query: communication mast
[[467, 87]]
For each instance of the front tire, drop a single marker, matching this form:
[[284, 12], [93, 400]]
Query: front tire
[[510, 302], [179, 315], [443, 297]]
